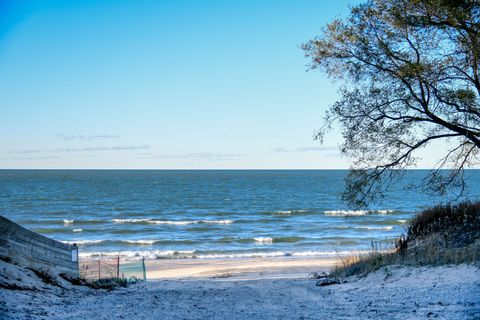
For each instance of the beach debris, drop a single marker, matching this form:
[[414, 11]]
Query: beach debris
[[328, 281], [221, 275], [318, 275]]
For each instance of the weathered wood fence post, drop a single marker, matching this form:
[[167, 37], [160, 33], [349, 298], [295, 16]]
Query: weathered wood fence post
[[118, 267]]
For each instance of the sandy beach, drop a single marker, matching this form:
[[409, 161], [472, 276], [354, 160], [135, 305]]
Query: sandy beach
[[396, 292], [248, 268]]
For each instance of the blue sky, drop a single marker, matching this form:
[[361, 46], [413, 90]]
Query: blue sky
[[163, 84]]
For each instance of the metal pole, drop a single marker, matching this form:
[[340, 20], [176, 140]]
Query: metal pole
[[144, 270], [98, 269], [118, 267]]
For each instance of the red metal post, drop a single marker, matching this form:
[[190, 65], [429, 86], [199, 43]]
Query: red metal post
[[118, 267]]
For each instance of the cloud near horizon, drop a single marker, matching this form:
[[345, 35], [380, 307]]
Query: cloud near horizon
[[70, 137], [201, 155], [307, 149], [84, 149]]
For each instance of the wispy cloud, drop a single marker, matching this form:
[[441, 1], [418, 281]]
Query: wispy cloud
[[307, 149], [210, 156], [84, 149], [33, 158], [82, 137]]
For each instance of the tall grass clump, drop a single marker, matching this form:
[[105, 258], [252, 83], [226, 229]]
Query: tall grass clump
[[378, 256], [443, 234], [460, 224]]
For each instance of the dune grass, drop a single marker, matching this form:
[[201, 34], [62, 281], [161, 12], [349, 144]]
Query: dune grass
[[444, 234]]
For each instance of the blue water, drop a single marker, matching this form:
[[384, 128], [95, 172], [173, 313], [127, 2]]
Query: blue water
[[207, 214]]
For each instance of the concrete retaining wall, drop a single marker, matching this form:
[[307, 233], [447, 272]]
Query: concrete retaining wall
[[31, 250]]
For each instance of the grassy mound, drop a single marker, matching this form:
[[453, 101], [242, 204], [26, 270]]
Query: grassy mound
[[444, 234]]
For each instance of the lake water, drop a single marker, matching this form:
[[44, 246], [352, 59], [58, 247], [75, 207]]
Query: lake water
[[206, 214]]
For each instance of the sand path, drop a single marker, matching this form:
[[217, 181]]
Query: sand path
[[393, 293]]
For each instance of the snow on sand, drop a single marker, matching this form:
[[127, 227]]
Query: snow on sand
[[399, 292]]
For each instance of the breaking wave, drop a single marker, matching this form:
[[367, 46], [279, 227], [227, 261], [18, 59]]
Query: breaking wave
[[172, 222], [193, 254], [354, 213]]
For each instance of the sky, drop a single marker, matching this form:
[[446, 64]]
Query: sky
[[174, 84]]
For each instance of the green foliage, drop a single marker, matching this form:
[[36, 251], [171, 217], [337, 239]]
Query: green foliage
[[410, 76]]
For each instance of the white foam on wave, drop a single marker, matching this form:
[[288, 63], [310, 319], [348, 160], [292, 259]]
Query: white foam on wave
[[365, 227], [149, 242], [402, 221], [66, 221], [130, 220], [288, 212], [384, 211], [346, 213], [182, 223], [191, 254], [154, 254], [217, 221], [354, 213], [176, 223], [277, 254], [263, 240], [172, 222], [77, 230], [80, 242], [375, 228]]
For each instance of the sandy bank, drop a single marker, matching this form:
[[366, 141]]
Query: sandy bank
[[399, 292]]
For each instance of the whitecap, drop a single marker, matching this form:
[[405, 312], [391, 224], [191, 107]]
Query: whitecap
[[375, 228], [385, 211], [149, 242], [354, 213], [154, 254], [217, 221], [178, 223], [289, 212], [77, 230], [346, 213], [68, 221], [263, 240], [192, 254], [130, 220], [181, 223], [80, 242]]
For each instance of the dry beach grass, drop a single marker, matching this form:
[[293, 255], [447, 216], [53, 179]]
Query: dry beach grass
[[444, 234]]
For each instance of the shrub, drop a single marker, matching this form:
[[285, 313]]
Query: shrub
[[112, 283]]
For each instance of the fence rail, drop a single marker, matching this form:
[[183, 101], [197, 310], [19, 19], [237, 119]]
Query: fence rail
[[93, 270]]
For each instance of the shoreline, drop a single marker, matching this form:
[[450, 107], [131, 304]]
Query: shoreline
[[200, 268], [238, 268]]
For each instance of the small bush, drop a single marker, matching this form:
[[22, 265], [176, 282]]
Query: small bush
[[111, 283]]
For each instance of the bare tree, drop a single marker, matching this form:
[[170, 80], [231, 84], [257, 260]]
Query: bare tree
[[410, 76]]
